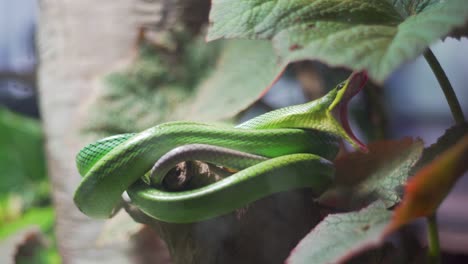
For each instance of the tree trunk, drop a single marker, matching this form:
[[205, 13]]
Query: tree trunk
[[76, 40]]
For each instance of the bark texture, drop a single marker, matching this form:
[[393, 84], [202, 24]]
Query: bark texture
[[77, 40]]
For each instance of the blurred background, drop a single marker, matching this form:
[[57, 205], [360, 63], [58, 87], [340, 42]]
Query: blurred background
[[26, 211], [413, 104]]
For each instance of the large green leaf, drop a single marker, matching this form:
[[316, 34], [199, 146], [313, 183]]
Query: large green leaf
[[376, 35], [231, 87], [341, 236], [460, 32]]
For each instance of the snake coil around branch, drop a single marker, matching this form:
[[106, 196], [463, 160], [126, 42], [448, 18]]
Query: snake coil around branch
[[284, 149]]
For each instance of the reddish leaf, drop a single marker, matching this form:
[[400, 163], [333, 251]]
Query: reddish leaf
[[354, 167], [428, 188], [364, 177]]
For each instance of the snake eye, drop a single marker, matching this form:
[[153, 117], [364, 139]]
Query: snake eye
[[340, 86]]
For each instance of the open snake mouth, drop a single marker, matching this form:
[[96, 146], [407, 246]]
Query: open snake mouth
[[356, 83]]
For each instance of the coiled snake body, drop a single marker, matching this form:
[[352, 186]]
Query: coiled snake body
[[281, 150]]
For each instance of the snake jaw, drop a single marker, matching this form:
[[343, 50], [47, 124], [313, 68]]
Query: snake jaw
[[354, 85]]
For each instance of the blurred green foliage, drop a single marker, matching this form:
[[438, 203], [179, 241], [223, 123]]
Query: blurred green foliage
[[24, 188], [22, 161]]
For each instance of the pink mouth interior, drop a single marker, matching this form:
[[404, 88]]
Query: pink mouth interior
[[356, 84]]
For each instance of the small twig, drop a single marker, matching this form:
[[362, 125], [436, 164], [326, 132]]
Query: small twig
[[433, 236], [446, 86]]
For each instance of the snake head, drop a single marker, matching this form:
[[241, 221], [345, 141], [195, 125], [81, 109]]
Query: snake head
[[345, 92], [317, 114]]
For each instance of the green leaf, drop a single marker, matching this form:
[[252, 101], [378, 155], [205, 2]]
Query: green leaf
[[375, 35], [341, 236], [450, 138], [244, 70], [22, 159], [460, 32], [362, 178]]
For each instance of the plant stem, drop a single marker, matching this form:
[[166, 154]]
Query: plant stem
[[375, 112], [433, 235], [446, 86]]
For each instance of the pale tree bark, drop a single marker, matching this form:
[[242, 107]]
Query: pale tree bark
[[77, 40]]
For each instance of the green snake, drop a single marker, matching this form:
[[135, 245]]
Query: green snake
[[284, 149]]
